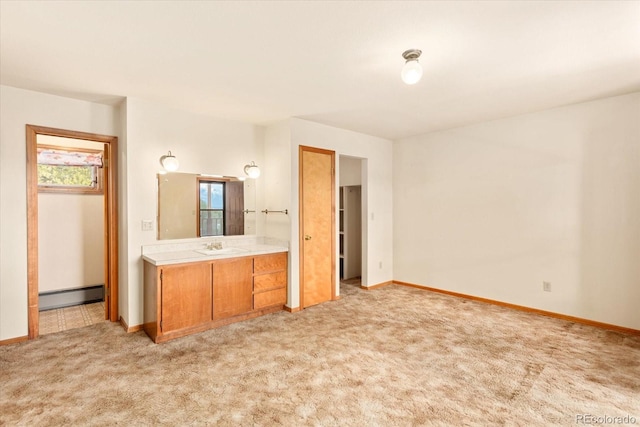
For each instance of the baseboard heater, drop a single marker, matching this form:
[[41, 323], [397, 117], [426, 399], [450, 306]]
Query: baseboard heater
[[70, 297]]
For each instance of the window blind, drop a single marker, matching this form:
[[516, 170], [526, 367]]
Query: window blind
[[68, 158]]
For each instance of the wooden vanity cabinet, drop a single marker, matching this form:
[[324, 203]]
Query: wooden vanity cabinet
[[181, 299]]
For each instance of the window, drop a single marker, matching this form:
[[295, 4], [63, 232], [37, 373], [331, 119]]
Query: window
[[211, 210], [69, 170]]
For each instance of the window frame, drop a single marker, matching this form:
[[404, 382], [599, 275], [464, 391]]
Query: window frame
[[199, 209], [98, 188]]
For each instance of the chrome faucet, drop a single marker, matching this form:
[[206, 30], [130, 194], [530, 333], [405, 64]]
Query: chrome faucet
[[214, 245]]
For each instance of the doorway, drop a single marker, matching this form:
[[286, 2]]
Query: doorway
[[352, 233], [317, 226], [110, 233]]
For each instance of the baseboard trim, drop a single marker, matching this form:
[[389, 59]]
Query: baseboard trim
[[379, 285], [292, 310], [129, 329], [14, 340], [61, 298], [601, 325]]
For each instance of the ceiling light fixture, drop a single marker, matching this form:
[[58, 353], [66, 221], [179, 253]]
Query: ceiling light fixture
[[252, 170], [412, 70], [169, 162]]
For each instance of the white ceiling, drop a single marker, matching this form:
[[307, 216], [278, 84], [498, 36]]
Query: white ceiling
[[334, 62]]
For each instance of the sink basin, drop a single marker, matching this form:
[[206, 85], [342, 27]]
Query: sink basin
[[223, 251]]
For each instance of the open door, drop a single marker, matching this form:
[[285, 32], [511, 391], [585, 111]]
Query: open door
[[317, 226]]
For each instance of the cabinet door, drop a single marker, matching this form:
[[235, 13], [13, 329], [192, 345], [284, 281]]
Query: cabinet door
[[232, 287], [186, 296]]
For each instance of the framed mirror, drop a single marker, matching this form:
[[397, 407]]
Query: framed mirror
[[197, 205]]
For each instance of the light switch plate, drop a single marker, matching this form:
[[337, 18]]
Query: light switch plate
[[147, 225]]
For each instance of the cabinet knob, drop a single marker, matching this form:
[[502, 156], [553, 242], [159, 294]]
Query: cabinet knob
[[307, 237]]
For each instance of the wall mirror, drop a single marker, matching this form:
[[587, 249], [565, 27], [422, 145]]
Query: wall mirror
[[195, 205]]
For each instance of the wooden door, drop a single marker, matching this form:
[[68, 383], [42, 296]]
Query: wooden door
[[186, 296], [232, 287], [317, 226]]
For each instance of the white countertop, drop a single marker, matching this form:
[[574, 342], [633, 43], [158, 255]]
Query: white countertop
[[178, 257]]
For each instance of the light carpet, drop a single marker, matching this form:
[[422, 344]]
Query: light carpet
[[394, 356]]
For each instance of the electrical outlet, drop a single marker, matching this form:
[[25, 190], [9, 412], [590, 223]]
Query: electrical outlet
[[147, 225], [546, 286], [380, 264]]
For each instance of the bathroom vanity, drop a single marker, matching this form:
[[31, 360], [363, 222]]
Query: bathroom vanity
[[191, 291]]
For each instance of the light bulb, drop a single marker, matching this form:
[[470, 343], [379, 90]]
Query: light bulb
[[169, 162], [252, 170], [411, 72]]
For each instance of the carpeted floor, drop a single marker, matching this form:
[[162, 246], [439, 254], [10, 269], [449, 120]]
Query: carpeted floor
[[394, 356]]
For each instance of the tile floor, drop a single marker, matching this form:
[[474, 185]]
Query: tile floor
[[77, 316]]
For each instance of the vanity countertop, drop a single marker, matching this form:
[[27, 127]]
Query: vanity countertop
[[178, 257]]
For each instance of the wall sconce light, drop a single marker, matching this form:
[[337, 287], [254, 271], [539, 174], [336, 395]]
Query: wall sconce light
[[169, 162], [412, 70], [252, 170]]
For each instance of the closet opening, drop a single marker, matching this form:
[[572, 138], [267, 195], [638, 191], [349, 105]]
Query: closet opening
[[350, 224]]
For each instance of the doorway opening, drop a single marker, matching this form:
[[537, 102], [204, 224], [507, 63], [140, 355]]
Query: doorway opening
[[96, 156], [350, 223]]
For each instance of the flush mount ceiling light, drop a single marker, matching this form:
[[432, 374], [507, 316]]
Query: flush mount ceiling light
[[412, 70], [169, 162], [252, 170]]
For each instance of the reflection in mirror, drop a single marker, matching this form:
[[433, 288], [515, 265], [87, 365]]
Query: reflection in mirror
[[192, 205]]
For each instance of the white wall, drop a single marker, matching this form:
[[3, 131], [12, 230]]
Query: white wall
[[376, 197], [70, 241], [350, 171], [202, 145], [495, 209], [17, 108], [276, 180]]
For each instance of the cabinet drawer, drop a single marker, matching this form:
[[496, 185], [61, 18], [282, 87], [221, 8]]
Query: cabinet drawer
[[268, 263], [265, 282], [269, 298]]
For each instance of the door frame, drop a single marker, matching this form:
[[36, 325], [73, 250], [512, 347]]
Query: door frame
[[110, 218], [301, 150]]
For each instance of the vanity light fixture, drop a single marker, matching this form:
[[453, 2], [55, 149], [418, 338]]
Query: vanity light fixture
[[252, 170], [169, 162], [412, 70]]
